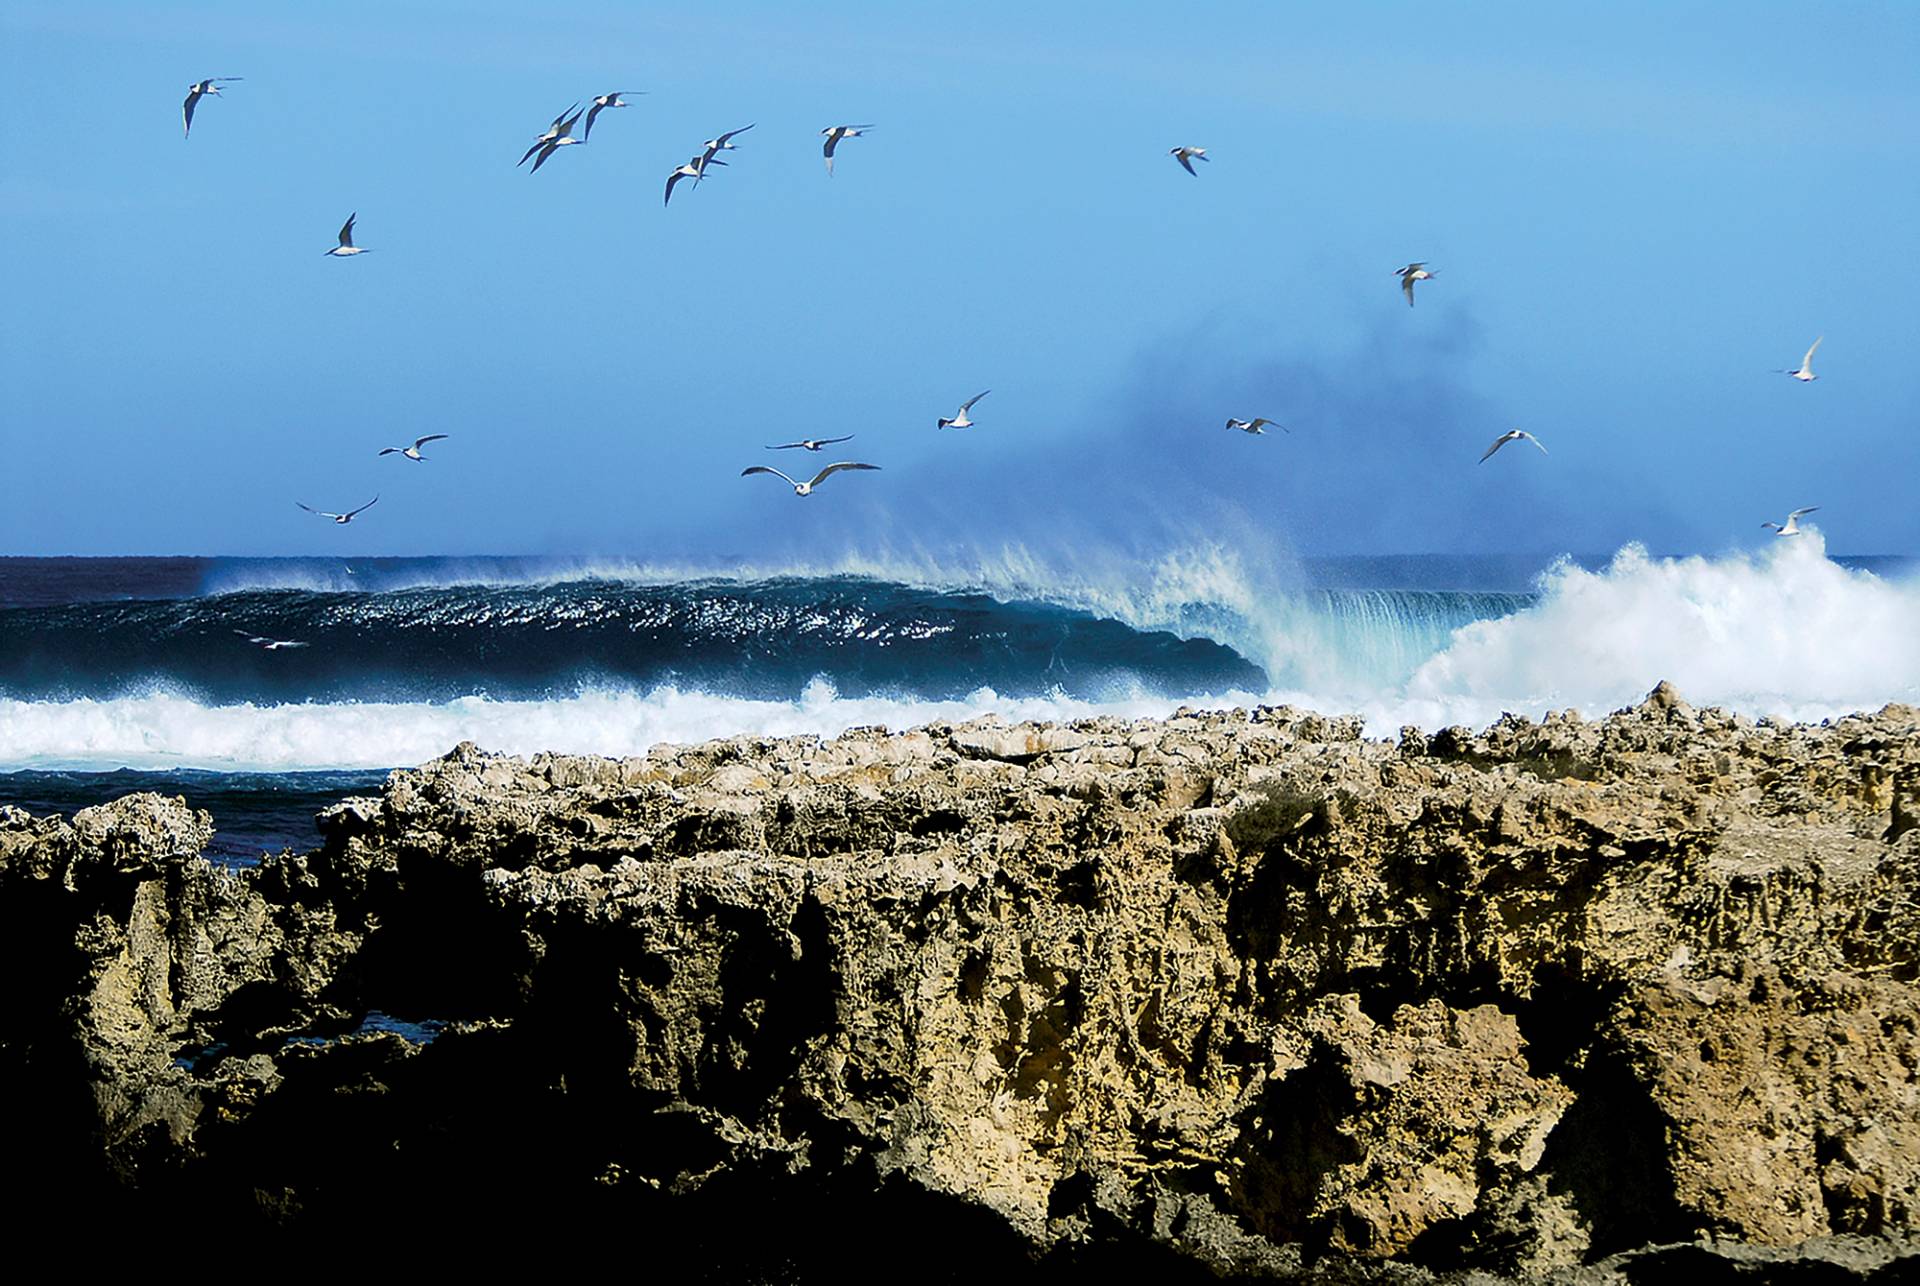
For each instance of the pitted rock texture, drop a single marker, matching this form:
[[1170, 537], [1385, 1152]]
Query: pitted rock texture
[[1234, 993]]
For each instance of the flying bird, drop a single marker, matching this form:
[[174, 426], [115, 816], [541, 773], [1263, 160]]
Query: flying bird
[[271, 645], [342, 519], [1187, 156], [960, 420], [695, 169], [1408, 275], [810, 444], [194, 91], [1805, 374], [603, 102], [552, 133], [723, 143], [413, 452], [1256, 425], [346, 246], [833, 135], [564, 138], [1792, 525], [1512, 435], [806, 488]]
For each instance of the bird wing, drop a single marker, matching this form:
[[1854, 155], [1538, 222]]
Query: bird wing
[[829, 441], [761, 468], [1771, 526], [591, 113], [370, 504], [784, 446], [1536, 441], [722, 140], [968, 404], [431, 437], [546, 150], [833, 137], [1798, 512], [1185, 164], [835, 468], [538, 143], [1232, 423], [1406, 284], [1498, 442], [310, 509], [346, 230], [186, 111], [672, 179], [386, 450], [1806, 363]]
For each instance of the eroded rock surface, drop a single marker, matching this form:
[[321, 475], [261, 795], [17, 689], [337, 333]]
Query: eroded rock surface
[[1222, 994]]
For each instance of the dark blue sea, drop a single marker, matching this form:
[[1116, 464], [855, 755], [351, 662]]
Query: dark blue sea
[[122, 674]]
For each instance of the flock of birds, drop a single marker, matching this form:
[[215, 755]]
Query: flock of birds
[[559, 134]]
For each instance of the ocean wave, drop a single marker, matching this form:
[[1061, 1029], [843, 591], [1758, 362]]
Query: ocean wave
[[1782, 631]]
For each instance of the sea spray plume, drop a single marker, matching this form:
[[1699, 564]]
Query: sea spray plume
[[1784, 632]]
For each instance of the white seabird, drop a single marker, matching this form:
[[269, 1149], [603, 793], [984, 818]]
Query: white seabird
[[1187, 156], [412, 452], [1805, 374], [723, 143], [1792, 525], [960, 420], [833, 134], [342, 519], [806, 488], [1512, 435], [564, 138], [346, 246], [603, 102], [194, 91], [1408, 275], [271, 645], [1256, 425], [695, 169], [810, 444], [552, 132]]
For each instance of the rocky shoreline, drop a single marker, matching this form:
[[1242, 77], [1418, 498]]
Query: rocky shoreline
[[1228, 994]]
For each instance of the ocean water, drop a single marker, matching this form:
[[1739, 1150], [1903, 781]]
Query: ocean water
[[137, 673]]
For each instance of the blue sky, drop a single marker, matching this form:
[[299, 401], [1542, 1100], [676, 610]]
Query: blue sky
[[1637, 213]]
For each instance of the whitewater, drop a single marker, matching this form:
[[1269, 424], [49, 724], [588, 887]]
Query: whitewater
[[407, 658]]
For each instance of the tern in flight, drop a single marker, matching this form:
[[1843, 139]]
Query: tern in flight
[[810, 444], [564, 138], [695, 169], [346, 246], [194, 91], [342, 519], [1792, 525], [806, 488], [271, 645], [1187, 156], [1256, 425], [1408, 275], [724, 143], [1512, 435], [1805, 374], [552, 133], [960, 420], [413, 452], [603, 102], [833, 135]]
